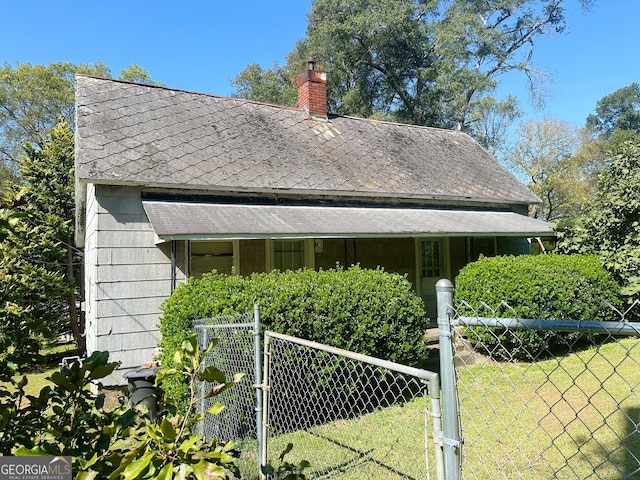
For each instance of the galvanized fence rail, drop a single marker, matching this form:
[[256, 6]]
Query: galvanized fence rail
[[349, 415], [567, 410]]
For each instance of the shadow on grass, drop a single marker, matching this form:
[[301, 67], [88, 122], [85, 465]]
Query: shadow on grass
[[631, 445], [362, 457]]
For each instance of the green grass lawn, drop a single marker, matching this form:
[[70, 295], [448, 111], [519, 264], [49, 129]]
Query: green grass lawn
[[385, 444], [38, 374], [573, 418]]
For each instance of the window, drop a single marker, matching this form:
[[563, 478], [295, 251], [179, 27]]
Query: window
[[432, 258], [288, 254]]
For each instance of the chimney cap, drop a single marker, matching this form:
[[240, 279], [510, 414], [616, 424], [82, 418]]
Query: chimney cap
[[311, 63]]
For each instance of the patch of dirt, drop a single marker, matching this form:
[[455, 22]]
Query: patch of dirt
[[112, 396]]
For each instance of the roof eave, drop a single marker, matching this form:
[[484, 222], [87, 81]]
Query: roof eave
[[299, 192]]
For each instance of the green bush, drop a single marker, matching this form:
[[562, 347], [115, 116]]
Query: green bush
[[367, 311], [554, 287]]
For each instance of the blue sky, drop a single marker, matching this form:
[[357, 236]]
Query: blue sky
[[200, 45]]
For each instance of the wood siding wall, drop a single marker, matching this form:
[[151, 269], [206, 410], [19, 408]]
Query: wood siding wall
[[128, 276]]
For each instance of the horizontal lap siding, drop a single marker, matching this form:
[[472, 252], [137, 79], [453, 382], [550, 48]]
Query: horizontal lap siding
[[127, 324], [128, 359], [128, 256], [90, 255], [131, 277]]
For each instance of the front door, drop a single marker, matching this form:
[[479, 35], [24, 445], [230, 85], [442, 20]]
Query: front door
[[432, 269]]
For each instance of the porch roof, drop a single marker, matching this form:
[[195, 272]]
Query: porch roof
[[209, 221]]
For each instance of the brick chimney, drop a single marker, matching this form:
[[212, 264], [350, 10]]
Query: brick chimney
[[312, 91]]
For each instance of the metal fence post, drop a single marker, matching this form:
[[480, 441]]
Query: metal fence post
[[258, 381], [203, 400], [451, 441], [265, 402]]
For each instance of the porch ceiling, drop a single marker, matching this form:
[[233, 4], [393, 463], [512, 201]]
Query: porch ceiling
[[184, 220]]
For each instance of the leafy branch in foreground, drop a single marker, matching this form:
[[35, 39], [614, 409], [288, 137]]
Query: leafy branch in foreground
[[286, 470], [68, 419]]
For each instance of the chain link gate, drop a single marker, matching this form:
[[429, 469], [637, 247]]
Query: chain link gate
[[238, 351], [351, 416], [569, 412]]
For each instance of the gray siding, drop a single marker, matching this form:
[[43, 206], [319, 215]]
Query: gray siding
[[128, 276], [90, 260]]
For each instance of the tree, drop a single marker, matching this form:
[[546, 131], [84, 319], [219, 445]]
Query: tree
[[618, 112], [609, 228], [39, 268], [546, 154], [276, 85], [137, 74], [426, 63], [33, 98], [491, 121], [39, 271]]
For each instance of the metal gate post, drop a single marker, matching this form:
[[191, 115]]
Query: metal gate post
[[265, 403], [258, 381], [451, 441]]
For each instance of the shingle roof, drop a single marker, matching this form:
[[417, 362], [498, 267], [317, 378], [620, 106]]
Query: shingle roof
[[203, 220], [152, 136]]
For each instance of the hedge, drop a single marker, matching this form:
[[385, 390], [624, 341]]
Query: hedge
[[566, 287], [367, 311]]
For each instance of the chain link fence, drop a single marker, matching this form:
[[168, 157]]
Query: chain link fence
[[568, 410], [350, 416], [236, 351]]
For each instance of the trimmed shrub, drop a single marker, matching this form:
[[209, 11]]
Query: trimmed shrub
[[554, 287], [367, 311]]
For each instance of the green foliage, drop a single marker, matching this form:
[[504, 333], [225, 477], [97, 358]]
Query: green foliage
[[609, 228], [68, 419], [545, 155], [558, 287], [619, 111], [135, 73], [37, 271], [427, 63], [36, 97], [286, 470], [168, 449], [491, 120], [366, 311], [8, 219], [276, 85]]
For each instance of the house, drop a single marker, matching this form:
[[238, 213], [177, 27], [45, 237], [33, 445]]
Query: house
[[171, 184]]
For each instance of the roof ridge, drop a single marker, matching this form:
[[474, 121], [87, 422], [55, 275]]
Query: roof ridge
[[267, 104], [192, 92], [389, 122]]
